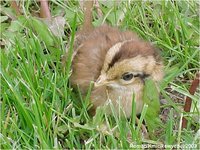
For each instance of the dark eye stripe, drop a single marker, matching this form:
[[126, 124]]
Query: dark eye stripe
[[142, 76], [128, 76]]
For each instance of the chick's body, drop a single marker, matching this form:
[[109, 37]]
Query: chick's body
[[105, 53]]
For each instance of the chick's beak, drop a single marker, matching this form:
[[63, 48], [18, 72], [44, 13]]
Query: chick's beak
[[102, 80]]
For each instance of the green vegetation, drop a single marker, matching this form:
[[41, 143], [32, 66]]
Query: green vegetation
[[38, 107]]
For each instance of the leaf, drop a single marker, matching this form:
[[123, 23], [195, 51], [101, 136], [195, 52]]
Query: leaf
[[85, 126], [3, 18], [170, 74], [70, 16], [42, 31], [56, 25], [169, 137], [8, 12], [98, 22], [15, 26], [151, 98], [63, 128], [107, 3], [3, 27], [97, 119], [115, 17]]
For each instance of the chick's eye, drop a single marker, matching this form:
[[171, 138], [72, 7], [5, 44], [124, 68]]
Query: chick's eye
[[127, 76]]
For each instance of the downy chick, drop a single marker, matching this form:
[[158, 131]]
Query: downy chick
[[116, 61]]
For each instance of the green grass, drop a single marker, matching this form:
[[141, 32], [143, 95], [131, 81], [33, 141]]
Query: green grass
[[38, 107]]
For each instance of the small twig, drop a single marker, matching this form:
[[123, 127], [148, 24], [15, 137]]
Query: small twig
[[188, 102], [15, 7], [44, 9]]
